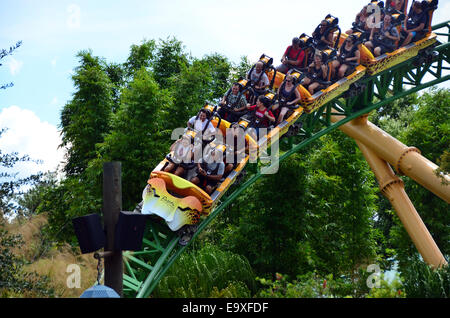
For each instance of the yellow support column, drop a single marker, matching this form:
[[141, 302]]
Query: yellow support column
[[392, 187], [406, 160]]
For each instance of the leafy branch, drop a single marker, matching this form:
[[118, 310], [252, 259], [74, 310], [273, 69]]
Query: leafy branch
[[3, 54]]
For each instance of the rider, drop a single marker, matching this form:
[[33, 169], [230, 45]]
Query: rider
[[317, 73], [360, 21], [348, 56], [323, 36], [288, 96], [262, 116], [202, 123], [386, 39], [258, 80], [210, 170], [182, 154], [233, 101], [414, 27], [238, 145], [292, 57]]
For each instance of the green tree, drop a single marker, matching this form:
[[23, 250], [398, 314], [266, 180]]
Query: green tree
[[203, 81], [11, 186], [208, 272], [86, 118], [139, 139], [4, 53], [14, 280], [424, 123], [116, 74], [310, 214], [169, 60], [421, 281], [142, 55]]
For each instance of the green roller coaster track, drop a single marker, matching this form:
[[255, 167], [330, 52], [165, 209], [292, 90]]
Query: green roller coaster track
[[144, 269]]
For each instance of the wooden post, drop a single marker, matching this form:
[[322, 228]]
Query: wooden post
[[112, 205]]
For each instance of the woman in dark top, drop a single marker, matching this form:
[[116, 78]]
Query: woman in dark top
[[288, 96], [317, 74], [348, 57]]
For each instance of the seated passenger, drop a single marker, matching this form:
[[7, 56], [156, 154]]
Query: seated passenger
[[292, 57], [397, 5], [202, 123], [239, 148], [233, 101], [360, 21], [322, 36], [317, 74], [262, 116], [182, 156], [210, 171], [385, 40], [348, 57], [414, 28], [288, 96], [258, 81]]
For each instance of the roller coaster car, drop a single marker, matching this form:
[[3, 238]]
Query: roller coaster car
[[180, 202], [332, 89], [311, 102], [385, 61], [176, 200]]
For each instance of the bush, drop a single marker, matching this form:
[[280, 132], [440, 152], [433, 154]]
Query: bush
[[421, 281], [208, 272]]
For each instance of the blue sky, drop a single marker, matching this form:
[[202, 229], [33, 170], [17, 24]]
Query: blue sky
[[54, 31]]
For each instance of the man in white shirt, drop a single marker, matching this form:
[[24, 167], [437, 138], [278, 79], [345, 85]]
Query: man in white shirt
[[199, 124]]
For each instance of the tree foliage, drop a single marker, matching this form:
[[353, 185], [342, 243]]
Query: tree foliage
[[86, 118], [4, 53], [309, 215], [423, 123], [14, 280], [208, 272], [139, 138]]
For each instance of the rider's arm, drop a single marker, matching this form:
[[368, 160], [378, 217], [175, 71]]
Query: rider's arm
[[356, 58], [191, 122], [174, 144], [218, 176], [269, 116], [298, 98], [297, 62], [371, 34], [243, 104]]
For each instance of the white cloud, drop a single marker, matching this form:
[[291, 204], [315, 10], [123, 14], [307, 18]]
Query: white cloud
[[53, 63], [14, 65], [28, 135]]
